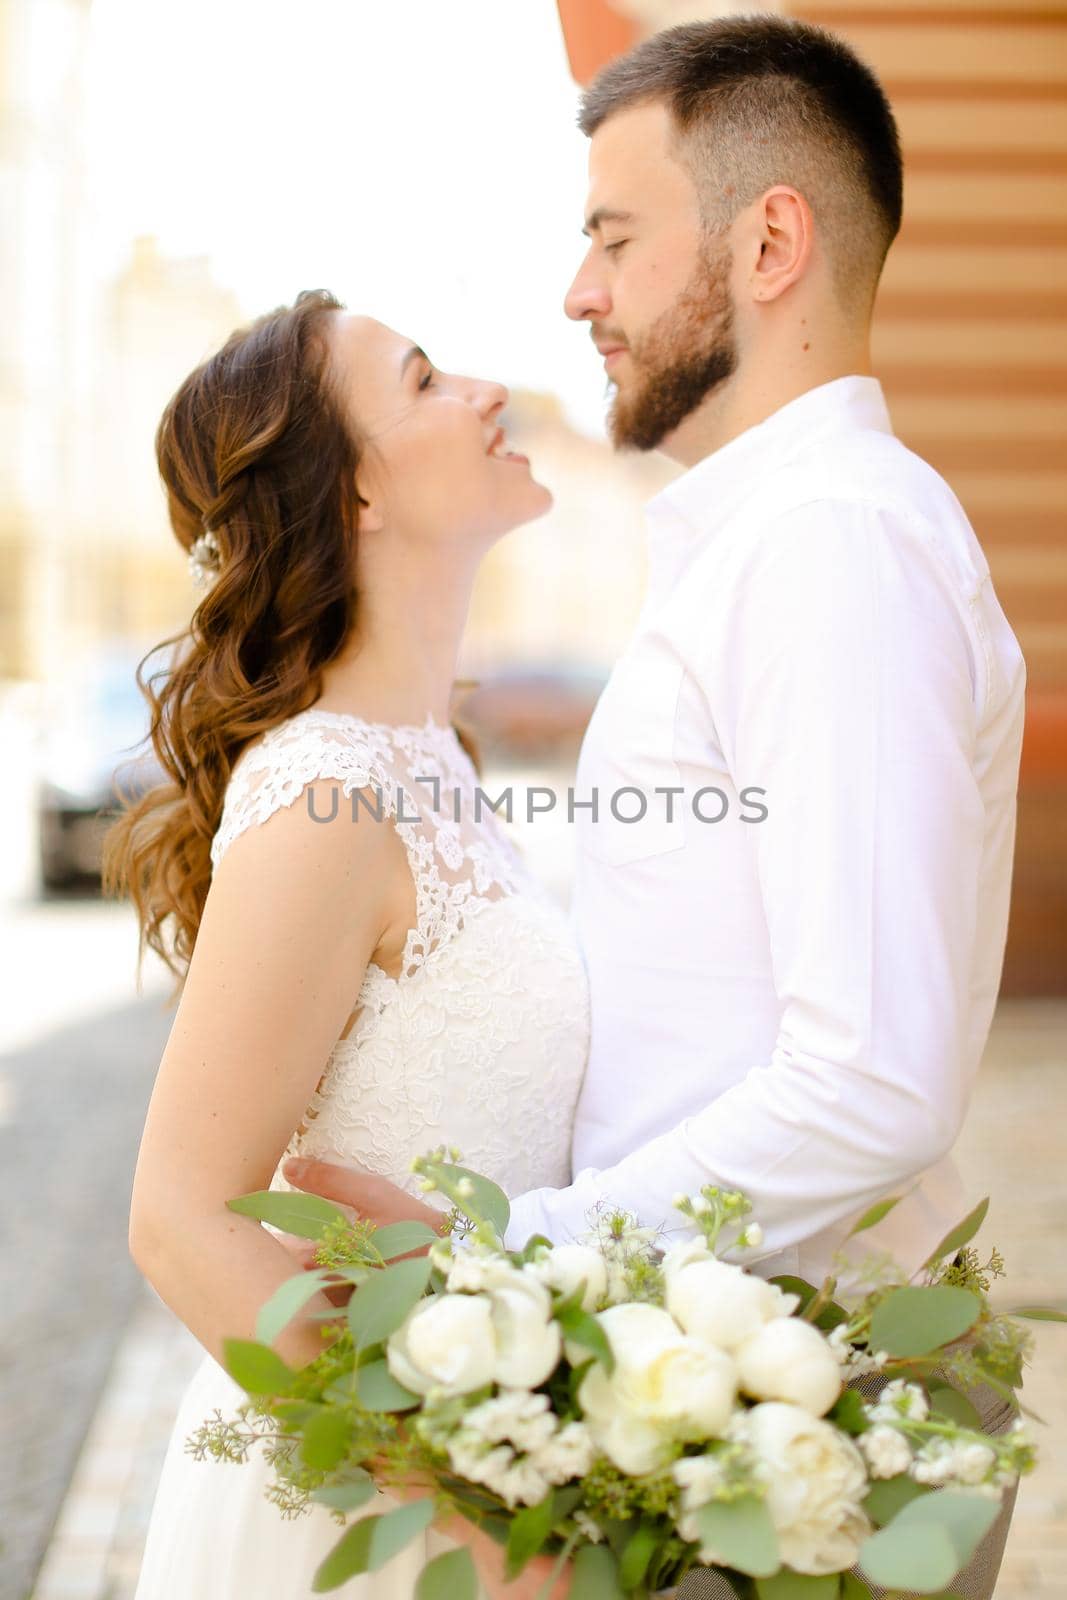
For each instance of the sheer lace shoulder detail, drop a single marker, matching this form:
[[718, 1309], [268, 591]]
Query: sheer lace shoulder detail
[[274, 772], [419, 779]]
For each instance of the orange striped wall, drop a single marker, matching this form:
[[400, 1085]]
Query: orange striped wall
[[970, 340]]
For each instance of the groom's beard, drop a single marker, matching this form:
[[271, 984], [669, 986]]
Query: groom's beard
[[688, 351]]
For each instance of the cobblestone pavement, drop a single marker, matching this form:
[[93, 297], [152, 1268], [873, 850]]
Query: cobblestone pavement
[[72, 1102], [1011, 1149]]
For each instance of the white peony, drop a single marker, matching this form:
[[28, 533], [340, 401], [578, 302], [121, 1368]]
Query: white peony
[[723, 1304], [816, 1479], [453, 1343], [790, 1360], [666, 1387], [565, 1266], [887, 1451]]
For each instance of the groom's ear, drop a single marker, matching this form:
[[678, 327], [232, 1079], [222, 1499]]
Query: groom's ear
[[784, 232]]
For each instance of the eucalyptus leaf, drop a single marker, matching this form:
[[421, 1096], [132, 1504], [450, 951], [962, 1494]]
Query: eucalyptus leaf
[[947, 1401], [450, 1576], [397, 1238], [325, 1439], [741, 1533], [350, 1495], [257, 1368], [888, 1496], [378, 1390], [380, 1305], [488, 1199], [585, 1330], [306, 1215], [1038, 1313], [596, 1575], [960, 1235], [787, 1585], [789, 1284], [871, 1218], [929, 1541], [853, 1588], [849, 1412], [530, 1527], [914, 1321], [638, 1553], [289, 1298], [368, 1544]]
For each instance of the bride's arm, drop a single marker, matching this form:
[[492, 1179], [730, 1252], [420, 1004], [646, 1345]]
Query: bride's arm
[[294, 913]]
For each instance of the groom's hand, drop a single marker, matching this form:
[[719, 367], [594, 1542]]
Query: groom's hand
[[365, 1193]]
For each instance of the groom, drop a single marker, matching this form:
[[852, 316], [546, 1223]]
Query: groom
[[792, 1002]]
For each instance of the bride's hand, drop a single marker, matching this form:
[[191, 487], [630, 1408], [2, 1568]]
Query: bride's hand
[[487, 1554]]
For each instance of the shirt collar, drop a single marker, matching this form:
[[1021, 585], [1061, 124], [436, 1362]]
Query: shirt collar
[[697, 503]]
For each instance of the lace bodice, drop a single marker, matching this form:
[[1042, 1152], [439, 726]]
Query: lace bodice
[[480, 1041]]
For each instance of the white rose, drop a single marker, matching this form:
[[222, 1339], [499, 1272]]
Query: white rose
[[681, 1254], [723, 1304], [666, 1387], [447, 1342], [790, 1360], [528, 1339], [458, 1342], [473, 1272], [887, 1451], [565, 1266], [816, 1479]]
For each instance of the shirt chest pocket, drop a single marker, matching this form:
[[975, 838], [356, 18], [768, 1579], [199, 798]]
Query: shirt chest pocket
[[628, 766]]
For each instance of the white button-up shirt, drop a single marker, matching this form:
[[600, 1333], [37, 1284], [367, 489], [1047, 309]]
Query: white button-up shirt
[[794, 958]]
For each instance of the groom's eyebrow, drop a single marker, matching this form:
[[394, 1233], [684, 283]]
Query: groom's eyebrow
[[605, 214]]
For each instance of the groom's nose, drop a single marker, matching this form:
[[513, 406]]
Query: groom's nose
[[587, 299]]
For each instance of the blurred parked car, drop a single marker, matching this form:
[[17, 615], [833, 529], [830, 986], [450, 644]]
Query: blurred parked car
[[94, 749]]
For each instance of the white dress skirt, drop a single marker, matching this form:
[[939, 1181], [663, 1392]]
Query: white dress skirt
[[480, 1043]]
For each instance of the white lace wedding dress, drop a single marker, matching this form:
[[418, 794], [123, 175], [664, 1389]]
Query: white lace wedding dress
[[480, 1042]]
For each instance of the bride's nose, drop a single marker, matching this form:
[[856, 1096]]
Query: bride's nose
[[490, 398]]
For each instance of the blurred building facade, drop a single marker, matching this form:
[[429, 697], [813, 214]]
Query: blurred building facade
[[970, 335]]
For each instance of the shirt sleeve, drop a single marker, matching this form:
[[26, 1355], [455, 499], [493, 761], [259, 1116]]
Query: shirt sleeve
[[841, 678]]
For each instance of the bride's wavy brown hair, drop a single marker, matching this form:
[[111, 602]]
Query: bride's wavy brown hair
[[256, 446]]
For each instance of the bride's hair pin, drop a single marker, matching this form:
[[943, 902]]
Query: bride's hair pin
[[205, 559]]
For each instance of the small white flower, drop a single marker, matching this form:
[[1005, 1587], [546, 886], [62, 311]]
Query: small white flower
[[680, 1200], [519, 1483], [973, 1462], [887, 1451], [900, 1399], [591, 1529], [935, 1463], [699, 1477], [752, 1237], [701, 1205], [569, 1454]]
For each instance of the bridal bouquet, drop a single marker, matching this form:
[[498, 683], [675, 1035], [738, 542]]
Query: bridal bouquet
[[639, 1410]]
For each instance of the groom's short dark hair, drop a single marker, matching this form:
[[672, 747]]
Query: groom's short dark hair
[[762, 100]]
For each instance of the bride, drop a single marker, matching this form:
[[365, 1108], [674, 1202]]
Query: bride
[[365, 968]]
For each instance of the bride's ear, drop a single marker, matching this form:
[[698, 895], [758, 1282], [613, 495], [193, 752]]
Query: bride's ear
[[370, 513]]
